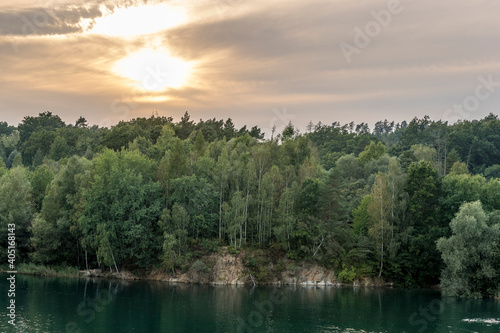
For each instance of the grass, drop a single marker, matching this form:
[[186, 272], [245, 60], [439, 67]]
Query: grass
[[42, 270]]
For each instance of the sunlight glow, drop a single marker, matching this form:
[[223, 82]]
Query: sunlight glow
[[154, 70], [133, 21]]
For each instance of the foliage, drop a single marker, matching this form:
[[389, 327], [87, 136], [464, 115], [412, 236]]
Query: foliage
[[470, 254], [119, 208], [16, 209], [347, 274], [151, 192]]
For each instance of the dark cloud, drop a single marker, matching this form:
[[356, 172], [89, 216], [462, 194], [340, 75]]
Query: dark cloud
[[46, 21]]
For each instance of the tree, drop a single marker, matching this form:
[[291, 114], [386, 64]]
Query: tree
[[55, 232], [492, 172], [121, 206], [470, 254], [423, 188], [17, 161], [372, 152], [173, 165], [179, 223], [379, 208], [42, 140], [234, 216], [81, 122], [229, 130], [457, 189], [418, 255], [16, 209], [177, 160], [184, 127], [45, 120], [12, 157], [361, 217], [37, 159], [451, 159], [40, 179], [199, 145], [425, 153], [222, 175], [198, 197], [3, 168], [141, 144], [59, 148], [5, 129], [459, 168]]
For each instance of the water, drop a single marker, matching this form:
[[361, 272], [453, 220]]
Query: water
[[71, 305]]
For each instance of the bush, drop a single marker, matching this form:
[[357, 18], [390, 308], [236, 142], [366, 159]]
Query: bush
[[42, 270], [200, 267], [347, 274]]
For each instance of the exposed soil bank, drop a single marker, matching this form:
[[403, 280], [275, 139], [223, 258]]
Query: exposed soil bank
[[229, 269]]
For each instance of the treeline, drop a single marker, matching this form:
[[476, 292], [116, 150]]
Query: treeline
[[151, 192]]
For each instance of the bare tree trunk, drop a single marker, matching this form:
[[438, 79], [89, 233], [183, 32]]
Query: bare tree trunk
[[220, 212], [114, 261], [86, 261]]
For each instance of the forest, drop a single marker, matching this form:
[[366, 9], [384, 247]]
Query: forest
[[417, 202]]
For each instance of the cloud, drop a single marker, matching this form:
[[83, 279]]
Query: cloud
[[253, 57], [46, 21]]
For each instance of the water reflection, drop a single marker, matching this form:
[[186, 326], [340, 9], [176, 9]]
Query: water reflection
[[97, 305]]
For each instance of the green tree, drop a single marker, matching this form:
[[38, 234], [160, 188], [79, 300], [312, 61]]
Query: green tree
[[199, 145], [175, 223], [199, 198], [221, 177], [42, 140], [418, 256], [141, 144], [3, 168], [457, 189], [17, 161], [379, 208], [58, 149], [469, 254], [459, 168], [16, 208], [45, 120], [121, 206], [451, 159], [372, 152], [55, 233], [234, 216], [361, 217], [40, 179], [37, 159]]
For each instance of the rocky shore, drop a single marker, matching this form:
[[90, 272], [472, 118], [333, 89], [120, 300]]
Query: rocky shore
[[229, 269]]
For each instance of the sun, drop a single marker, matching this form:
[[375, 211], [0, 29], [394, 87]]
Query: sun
[[154, 70], [138, 20]]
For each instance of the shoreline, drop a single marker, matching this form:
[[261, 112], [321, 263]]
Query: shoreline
[[187, 278]]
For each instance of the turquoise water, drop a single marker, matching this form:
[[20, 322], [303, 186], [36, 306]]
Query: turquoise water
[[71, 305]]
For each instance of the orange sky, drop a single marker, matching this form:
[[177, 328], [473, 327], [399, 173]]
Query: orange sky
[[259, 62]]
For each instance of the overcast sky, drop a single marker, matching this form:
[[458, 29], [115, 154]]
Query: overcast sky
[[259, 62]]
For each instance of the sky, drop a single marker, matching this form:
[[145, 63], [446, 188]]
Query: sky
[[259, 62]]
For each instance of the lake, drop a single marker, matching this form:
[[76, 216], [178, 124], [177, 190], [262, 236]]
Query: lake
[[45, 304]]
